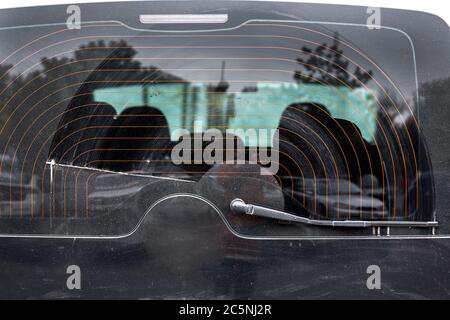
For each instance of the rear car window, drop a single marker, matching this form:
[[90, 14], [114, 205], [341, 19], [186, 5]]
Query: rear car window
[[317, 118]]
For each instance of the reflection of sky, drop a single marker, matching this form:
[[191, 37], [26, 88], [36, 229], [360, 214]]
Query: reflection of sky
[[389, 49], [381, 49]]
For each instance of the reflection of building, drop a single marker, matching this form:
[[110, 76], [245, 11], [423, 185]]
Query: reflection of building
[[231, 109], [189, 117], [217, 103]]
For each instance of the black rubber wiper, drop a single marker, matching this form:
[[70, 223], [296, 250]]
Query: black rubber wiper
[[239, 206]]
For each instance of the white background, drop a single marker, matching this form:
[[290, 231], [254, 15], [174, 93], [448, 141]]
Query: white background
[[437, 7]]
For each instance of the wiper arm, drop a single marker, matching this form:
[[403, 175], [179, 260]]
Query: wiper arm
[[239, 206]]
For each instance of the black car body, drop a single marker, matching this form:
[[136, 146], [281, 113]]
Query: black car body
[[356, 115]]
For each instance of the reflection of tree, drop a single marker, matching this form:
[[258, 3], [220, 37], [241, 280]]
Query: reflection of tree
[[326, 64], [7, 80], [58, 89]]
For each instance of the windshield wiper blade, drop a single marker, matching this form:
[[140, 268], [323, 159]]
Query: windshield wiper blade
[[239, 206]]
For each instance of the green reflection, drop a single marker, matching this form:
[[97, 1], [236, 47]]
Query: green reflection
[[185, 105]]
